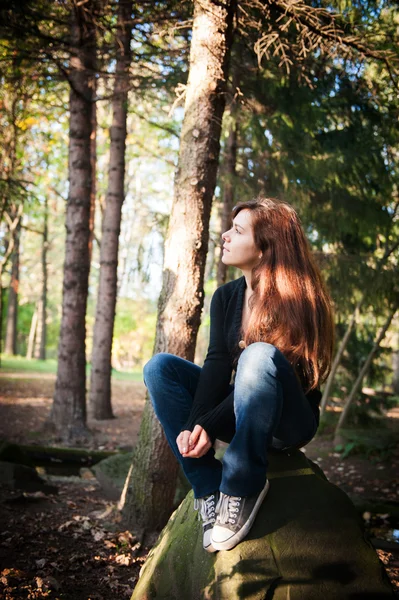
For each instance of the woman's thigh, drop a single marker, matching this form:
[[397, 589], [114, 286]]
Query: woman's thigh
[[265, 374], [297, 423], [171, 381]]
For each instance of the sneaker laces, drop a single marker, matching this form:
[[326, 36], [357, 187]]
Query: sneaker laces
[[228, 508], [206, 507]]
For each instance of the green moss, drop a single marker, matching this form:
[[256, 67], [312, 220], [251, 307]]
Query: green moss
[[306, 544]]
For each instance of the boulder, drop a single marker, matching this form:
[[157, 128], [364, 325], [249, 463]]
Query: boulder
[[307, 543], [111, 473]]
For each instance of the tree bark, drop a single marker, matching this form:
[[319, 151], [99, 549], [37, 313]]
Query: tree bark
[[363, 371], [68, 414], [93, 161], [10, 346], [41, 329], [100, 386], [12, 227], [395, 365], [43, 336], [32, 334], [150, 498]]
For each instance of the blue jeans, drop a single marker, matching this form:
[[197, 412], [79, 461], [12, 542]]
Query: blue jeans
[[270, 410]]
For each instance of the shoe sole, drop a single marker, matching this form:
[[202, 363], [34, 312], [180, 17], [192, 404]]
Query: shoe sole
[[240, 535]]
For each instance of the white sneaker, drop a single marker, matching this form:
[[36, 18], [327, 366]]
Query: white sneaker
[[207, 511], [234, 518]]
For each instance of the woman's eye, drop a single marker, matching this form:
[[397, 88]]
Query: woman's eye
[[235, 228]]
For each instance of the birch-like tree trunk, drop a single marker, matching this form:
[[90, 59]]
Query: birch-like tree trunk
[[32, 334], [12, 224], [154, 471], [41, 329], [68, 414], [100, 386], [10, 346], [363, 371]]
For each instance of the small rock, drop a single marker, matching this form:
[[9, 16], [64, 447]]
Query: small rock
[[50, 583], [86, 473], [40, 563]]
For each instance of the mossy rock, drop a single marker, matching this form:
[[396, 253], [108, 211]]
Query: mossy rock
[[111, 473], [13, 453], [307, 543]]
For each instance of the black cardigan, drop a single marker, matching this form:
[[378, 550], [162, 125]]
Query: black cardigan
[[212, 401]]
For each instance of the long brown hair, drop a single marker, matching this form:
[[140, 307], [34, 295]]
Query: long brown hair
[[290, 306]]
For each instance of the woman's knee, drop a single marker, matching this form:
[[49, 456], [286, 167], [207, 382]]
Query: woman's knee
[[258, 361], [258, 354], [259, 350], [156, 367]]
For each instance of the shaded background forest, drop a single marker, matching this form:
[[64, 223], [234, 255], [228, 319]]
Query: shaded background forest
[[105, 141]]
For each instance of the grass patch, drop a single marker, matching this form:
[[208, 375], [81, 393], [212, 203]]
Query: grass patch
[[20, 364]]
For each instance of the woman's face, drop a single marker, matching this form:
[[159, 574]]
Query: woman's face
[[239, 248]]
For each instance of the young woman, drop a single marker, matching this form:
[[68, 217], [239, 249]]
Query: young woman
[[271, 341]]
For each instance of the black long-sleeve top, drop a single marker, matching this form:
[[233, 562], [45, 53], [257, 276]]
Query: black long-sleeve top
[[212, 401]]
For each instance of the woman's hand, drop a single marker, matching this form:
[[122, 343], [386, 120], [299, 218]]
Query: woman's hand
[[182, 441], [193, 444]]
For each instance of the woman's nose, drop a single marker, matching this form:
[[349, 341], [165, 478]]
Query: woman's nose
[[224, 235]]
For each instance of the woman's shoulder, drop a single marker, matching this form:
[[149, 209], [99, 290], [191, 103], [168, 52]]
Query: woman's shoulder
[[227, 290]]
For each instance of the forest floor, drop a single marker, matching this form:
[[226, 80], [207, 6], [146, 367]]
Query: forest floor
[[73, 545]]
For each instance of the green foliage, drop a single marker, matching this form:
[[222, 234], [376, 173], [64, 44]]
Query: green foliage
[[378, 444], [134, 333]]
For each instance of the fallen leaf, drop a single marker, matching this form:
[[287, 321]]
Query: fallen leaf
[[98, 535], [122, 559], [65, 525]]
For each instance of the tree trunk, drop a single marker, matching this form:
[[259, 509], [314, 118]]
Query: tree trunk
[[395, 379], [32, 334], [10, 346], [395, 365], [150, 498], [13, 225], [100, 386], [68, 414], [93, 161], [363, 371], [43, 336], [228, 192], [41, 330]]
